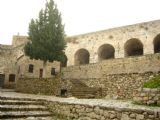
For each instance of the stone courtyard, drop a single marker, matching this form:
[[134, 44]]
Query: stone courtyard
[[81, 109], [101, 78]]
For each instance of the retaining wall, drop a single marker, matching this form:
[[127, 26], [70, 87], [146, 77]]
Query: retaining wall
[[47, 86], [147, 96], [118, 78], [76, 111]]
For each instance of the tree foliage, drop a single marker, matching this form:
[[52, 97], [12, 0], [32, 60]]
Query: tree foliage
[[46, 35]]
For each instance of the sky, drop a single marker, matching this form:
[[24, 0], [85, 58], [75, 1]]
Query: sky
[[79, 16]]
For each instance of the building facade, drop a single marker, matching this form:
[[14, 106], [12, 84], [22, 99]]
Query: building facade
[[15, 64]]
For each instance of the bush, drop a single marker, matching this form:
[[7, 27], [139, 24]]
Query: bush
[[153, 83]]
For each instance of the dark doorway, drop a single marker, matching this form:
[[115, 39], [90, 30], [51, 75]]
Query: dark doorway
[[30, 70], [63, 93], [2, 77], [40, 73], [53, 71]]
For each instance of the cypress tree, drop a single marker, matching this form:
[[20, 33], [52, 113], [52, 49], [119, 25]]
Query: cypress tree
[[46, 35]]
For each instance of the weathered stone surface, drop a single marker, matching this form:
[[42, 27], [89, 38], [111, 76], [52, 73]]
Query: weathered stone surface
[[147, 96], [48, 86]]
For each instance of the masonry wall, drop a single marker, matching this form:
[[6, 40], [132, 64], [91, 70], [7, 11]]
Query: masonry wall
[[118, 78], [37, 65], [46, 86], [149, 96], [77, 111], [117, 37]]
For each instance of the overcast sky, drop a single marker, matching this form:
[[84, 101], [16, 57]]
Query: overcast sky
[[79, 16]]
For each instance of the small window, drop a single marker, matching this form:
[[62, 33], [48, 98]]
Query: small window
[[53, 71], [30, 70], [63, 93], [12, 77]]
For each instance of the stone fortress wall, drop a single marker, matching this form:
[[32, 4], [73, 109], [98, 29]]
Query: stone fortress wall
[[118, 60], [117, 42], [118, 78]]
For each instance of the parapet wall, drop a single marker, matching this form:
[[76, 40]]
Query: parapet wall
[[118, 78], [139, 64]]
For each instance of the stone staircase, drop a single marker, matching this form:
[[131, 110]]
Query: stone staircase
[[23, 109], [81, 90]]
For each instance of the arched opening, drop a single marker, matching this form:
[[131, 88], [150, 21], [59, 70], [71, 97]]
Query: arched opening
[[64, 63], [81, 57], [106, 51], [133, 47], [156, 43]]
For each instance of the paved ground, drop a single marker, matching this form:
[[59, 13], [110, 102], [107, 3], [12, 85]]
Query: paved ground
[[100, 102]]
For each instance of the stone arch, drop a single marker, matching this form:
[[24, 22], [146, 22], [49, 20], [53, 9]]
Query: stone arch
[[156, 43], [81, 57], [133, 47], [105, 51]]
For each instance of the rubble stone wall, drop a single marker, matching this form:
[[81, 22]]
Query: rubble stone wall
[[95, 112], [147, 96], [118, 78], [46, 86]]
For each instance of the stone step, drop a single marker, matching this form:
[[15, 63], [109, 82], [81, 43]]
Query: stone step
[[78, 83], [24, 114], [34, 118], [23, 99], [85, 96], [22, 108], [89, 91], [2, 102]]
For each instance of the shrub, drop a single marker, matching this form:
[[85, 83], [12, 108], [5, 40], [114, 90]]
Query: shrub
[[153, 83]]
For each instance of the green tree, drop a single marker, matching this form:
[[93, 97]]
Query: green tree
[[46, 35]]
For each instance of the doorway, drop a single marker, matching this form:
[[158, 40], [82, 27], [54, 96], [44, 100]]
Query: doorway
[[40, 73], [2, 78]]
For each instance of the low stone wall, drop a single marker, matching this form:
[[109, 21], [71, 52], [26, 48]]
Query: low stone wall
[[147, 96], [47, 86], [70, 111], [118, 86]]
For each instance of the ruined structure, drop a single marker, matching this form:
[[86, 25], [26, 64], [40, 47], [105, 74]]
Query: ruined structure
[[117, 60], [14, 64]]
